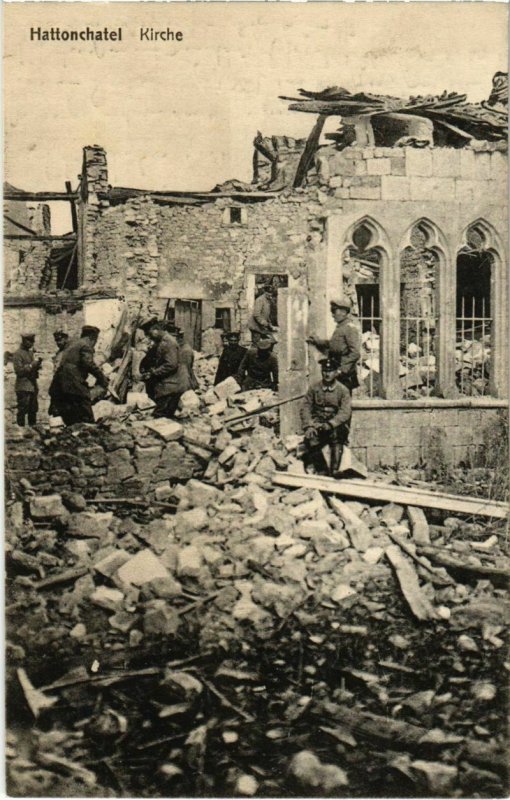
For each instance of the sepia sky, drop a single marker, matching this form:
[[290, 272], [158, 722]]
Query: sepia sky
[[183, 115]]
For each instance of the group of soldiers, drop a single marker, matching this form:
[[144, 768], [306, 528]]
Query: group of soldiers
[[167, 372]]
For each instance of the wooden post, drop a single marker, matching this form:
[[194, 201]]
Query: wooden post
[[309, 151], [292, 355], [499, 333]]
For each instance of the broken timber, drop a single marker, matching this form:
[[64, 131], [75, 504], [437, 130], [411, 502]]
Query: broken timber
[[370, 490], [419, 604]]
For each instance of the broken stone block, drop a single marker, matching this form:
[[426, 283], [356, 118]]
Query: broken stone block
[[227, 388], [165, 588], [310, 528], [170, 557], [391, 514], [373, 555], [160, 618], [168, 429], [217, 408], [140, 400], [200, 494], [123, 621], [190, 561], [89, 524], [210, 397], [260, 549], [193, 520], [47, 507], [110, 599], [147, 459], [175, 464], [79, 631], [189, 402], [186, 686], [74, 501], [163, 491], [142, 568], [120, 466], [108, 565]]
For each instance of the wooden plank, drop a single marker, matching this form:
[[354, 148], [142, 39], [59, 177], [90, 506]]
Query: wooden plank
[[74, 215], [358, 531], [19, 225], [463, 570], [26, 197], [309, 151], [368, 490], [40, 237], [419, 604]]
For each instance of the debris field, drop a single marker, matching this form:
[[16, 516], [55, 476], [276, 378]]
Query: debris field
[[180, 623]]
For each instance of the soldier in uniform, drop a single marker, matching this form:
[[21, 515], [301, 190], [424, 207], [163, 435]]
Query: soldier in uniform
[[61, 340], [259, 367], [187, 355], [326, 417], [166, 374], [26, 367], [231, 356], [260, 322], [69, 391], [345, 344]]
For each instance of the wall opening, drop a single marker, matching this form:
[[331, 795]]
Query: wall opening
[[223, 319], [235, 215], [419, 265], [361, 272], [473, 315]]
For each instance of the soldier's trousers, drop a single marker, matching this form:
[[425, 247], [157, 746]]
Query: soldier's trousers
[[27, 407], [167, 405], [73, 409]]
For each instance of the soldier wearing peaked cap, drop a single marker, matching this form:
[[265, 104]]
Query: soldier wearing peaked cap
[[259, 367], [345, 344], [26, 368], [326, 417], [162, 370], [231, 356], [69, 391]]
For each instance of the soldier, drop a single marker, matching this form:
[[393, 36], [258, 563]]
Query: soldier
[[27, 369], [61, 340], [260, 321], [231, 356], [344, 346], [69, 390], [259, 367], [326, 417], [165, 377], [187, 355], [148, 361]]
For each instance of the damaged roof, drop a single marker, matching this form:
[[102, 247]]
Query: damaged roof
[[485, 120]]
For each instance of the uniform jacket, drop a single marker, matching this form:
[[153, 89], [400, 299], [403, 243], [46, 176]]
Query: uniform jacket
[[230, 361], [258, 373], [326, 404], [344, 346], [76, 364], [187, 355], [57, 359], [261, 318], [26, 371], [169, 375]]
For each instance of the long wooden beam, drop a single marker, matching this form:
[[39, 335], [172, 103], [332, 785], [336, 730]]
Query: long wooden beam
[[369, 490], [26, 197], [309, 151], [40, 237]]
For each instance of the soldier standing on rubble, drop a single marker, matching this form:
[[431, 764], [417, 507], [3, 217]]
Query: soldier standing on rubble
[[345, 345], [259, 367], [164, 375], [27, 369], [61, 340], [187, 355], [326, 417], [69, 390], [260, 321], [231, 356]]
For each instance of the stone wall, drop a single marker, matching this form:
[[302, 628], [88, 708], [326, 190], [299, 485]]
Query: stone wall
[[114, 459], [435, 436]]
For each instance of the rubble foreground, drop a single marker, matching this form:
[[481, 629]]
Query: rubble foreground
[[180, 625]]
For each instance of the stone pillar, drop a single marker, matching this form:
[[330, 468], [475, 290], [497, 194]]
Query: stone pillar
[[292, 355], [390, 332], [445, 334], [499, 335], [94, 182]]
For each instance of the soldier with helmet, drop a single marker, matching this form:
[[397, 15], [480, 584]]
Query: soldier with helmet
[[345, 344], [326, 417]]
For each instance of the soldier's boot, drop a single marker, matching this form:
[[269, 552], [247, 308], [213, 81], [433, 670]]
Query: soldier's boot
[[336, 457]]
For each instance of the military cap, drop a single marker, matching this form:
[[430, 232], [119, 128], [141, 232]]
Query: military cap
[[233, 335], [90, 330], [328, 364], [341, 302], [147, 324], [264, 344]]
